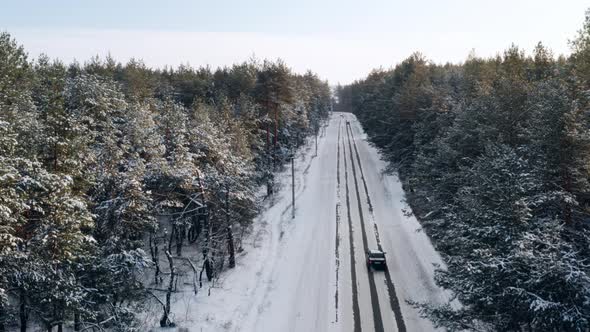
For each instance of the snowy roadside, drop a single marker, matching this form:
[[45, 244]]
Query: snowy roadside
[[227, 302]]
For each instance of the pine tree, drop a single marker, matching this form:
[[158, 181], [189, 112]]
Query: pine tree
[[102, 160]]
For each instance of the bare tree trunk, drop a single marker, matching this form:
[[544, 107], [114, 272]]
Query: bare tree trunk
[[207, 235], [230, 236], [209, 269], [2, 322], [165, 321], [60, 313], [195, 228], [269, 189], [155, 258], [23, 311], [268, 174], [230, 247], [199, 226], [267, 136], [77, 325], [172, 235], [316, 142], [195, 272], [276, 126], [180, 234], [241, 238], [201, 276]]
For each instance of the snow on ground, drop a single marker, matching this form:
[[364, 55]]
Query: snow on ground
[[295, 274]]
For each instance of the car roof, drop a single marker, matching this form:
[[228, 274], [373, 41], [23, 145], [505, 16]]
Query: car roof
[[375, 251]]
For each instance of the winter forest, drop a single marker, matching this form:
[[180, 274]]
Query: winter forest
[[109, 171], [124, 187], [494, 154]]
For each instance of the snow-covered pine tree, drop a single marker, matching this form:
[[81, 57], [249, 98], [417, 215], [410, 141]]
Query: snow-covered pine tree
[[95, 158]]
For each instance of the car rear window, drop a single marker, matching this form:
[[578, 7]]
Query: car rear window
[[377, 255]]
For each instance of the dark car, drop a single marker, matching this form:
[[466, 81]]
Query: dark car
[[376, 259]]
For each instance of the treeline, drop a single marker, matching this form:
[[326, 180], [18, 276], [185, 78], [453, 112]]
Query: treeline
[[106, 167], [494, 155]]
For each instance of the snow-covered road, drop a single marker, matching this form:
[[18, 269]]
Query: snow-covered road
[[309, 273]]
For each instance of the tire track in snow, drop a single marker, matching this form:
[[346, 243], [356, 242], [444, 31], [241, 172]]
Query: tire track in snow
[[337, 257], [377, 319], [393, 300], [355, 301], [337, 219]]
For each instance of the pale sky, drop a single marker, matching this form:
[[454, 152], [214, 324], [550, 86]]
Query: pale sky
[[340, 40]]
